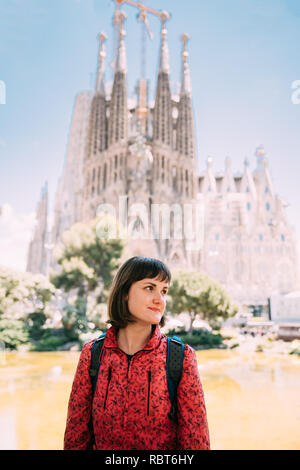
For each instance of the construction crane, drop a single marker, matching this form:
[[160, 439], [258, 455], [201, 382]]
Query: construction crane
[[142, 89], [142, 16], [163, 15]]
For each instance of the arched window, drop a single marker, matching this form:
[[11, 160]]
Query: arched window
[[99, 180], [104, 175], [121, 167], [175, 258], [174, 177], [181, 180]]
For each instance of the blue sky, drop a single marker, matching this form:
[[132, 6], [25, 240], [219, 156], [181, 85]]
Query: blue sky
[[244, 57]]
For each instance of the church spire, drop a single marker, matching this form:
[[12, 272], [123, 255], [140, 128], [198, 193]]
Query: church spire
[[262, 176], [100, 87], [228, 184], [162, 118], [164, 60], [97, 128], [209, 184], [118, 115], [247, 183], [186, 88], [37, 257], [185, 123], [121, 63]]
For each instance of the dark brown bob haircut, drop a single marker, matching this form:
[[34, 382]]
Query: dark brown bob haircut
[[133, 270]]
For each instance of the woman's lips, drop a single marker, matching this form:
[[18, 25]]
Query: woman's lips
[[154, 309]]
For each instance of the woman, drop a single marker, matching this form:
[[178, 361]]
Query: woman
[[131, 401]]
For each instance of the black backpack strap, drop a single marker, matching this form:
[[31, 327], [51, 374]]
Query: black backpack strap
[[94, 371], [175, 352], [95, 360]]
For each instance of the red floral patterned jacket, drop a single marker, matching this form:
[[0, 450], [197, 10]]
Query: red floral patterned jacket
[[131, 401]]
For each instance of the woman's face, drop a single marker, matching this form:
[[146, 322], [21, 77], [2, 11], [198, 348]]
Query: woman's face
[[147, 300]]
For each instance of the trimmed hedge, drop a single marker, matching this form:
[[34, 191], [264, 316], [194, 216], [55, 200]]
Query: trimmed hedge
[[199, 337]]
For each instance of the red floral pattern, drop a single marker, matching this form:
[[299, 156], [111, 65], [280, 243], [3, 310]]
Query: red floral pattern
[[130, 406]]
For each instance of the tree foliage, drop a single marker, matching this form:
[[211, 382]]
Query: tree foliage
[[23, 293], [87, 258], [197, 294], [13, 333], [24, 299]]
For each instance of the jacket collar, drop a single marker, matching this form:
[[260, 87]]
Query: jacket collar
[[111, 338]]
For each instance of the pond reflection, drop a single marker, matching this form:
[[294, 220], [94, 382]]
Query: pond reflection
[[252, 400]]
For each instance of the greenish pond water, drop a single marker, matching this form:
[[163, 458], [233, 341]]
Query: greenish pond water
[[252, 400]]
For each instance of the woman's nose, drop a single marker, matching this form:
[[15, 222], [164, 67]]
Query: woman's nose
[[159, 298]]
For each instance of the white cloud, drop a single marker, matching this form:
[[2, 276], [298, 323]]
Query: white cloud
[[16, 230]]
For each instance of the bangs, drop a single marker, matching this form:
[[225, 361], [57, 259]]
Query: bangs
[[150, 268]]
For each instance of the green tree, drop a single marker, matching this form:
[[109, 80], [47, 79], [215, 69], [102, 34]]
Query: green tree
[[197, 294], [13, 333], [88, 257], [24, 299]]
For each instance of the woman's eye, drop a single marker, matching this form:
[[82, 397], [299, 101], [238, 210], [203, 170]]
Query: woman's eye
[[151, 287]]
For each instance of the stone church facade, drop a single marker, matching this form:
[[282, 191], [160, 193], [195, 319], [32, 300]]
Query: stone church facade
[[146, 155]]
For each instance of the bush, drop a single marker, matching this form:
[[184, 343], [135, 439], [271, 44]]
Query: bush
[[50, 340], [36, 321], [50, 343], [13, 333], [295, 351], [199, 337], [176, 331]]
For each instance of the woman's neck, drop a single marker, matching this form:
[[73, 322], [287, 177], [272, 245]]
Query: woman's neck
[[133, 337]]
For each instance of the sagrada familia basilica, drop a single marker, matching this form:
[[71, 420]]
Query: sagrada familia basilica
[[144, 157]]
